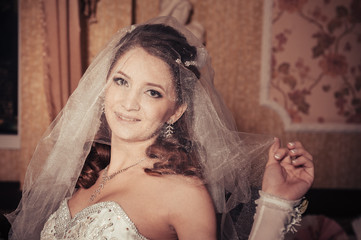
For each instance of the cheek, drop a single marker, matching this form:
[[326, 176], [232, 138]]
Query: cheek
[[158, 113], [111, 96]]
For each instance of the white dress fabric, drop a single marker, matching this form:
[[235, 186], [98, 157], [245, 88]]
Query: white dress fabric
[[103, 220], [107, 220]]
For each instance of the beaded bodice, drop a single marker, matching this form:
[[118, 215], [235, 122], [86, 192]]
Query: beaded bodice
[[103, 220]]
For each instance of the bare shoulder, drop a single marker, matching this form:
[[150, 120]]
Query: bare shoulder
[[191, 208], [189, 190]]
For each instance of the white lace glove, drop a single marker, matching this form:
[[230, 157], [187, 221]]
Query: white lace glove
[[275, 217]]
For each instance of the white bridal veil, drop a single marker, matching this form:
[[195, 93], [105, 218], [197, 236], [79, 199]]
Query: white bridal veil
[[233, 162]]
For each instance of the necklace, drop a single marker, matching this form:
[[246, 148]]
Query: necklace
[[106, 178]]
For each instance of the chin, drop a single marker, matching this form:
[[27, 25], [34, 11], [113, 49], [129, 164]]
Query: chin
[[131, 137]]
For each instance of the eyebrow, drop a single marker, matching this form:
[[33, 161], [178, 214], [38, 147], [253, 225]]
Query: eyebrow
[[147, 83], [156, 85], [125, 75]]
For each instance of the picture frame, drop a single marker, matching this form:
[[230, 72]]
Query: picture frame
[[9, 75]]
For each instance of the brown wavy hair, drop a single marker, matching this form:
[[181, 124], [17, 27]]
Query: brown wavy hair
[[175, 154]]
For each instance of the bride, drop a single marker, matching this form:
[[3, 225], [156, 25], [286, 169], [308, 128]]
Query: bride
[[146, 149]]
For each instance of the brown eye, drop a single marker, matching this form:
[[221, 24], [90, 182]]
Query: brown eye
[[120, 81], [154, 93]]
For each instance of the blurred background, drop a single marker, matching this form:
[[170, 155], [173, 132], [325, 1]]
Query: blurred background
[[233, 33]]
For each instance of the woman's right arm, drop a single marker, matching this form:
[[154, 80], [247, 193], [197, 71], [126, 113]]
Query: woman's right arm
[[194, 215]]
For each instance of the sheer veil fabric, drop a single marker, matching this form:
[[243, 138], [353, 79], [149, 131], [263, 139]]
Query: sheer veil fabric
[[233, 162]]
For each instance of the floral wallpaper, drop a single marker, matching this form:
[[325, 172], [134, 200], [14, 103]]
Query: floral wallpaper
[[313, 77]]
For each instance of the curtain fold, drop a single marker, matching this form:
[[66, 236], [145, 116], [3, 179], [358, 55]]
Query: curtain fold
[[63, 66]]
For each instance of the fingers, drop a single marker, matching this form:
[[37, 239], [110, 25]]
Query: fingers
[[276, 153], [275, 146], [297, 150], [294, 154], [302, 162], [272, 151], [300, 157], [281, 153]]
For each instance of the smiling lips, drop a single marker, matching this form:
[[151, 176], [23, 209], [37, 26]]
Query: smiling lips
[[126, 118]]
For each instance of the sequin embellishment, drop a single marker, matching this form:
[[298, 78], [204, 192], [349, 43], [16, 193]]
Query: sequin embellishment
[[104, 220]]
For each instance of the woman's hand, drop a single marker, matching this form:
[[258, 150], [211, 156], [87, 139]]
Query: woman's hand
[[289, 171]]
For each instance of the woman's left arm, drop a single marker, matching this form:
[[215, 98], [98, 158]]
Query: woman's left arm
[[288, 175], [289, 171]]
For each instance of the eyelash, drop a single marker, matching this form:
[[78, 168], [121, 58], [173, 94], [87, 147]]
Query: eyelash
[[120, 81], [154, 92]]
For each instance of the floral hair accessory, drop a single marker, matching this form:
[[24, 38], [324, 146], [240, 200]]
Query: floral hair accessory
[[186, 63]]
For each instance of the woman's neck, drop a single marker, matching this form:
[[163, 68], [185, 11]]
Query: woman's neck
[[126, 153]]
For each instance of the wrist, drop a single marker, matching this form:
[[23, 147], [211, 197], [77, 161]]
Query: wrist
[[274, 199], [292, 208]]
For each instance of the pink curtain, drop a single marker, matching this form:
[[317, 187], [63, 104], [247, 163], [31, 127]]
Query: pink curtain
[[62, 51]]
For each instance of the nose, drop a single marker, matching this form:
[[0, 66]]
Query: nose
[[130, 101]]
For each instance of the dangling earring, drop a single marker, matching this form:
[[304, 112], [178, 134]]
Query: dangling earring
[[169, 130], [103, 107]]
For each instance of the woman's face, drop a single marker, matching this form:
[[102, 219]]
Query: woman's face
[[140, 97]]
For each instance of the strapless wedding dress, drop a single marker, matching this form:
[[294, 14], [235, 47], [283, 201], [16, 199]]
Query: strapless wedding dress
[[103, 220]]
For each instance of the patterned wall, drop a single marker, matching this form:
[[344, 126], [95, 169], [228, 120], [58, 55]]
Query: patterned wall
[[314, 78], [234, 39]]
